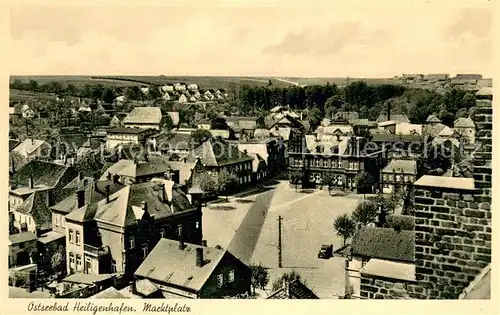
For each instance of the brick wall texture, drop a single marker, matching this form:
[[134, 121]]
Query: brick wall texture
[[452, 230]]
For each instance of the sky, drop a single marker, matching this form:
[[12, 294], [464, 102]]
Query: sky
[[327, 39]]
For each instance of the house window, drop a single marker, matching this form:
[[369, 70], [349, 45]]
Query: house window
[[318, 163], [220, 280], [197, 224], [113, 266], [131, 242], [71, 261], [231, 276], [57, 220], [162, 232], [78, 262], [71, 236], [144, 250], [179, 230], [384, 177], [63, 221], [398, 178], [77, 237]]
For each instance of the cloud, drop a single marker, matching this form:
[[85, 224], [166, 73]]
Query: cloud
[[279, 41]]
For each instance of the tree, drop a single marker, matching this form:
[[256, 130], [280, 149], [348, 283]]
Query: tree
[[58, 260], [295, 177], [167, 123], [132, 93], [328, 180], [33, 86], [364, 182], [107, 96], [89, 165], [365, 212], [200, 135], [206, 182], [288, 276], [314, 117], [154, 92], [260, 277], [219, 123], [344, 226], [225, 181]]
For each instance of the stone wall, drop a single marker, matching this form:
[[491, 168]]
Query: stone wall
[[453, 224], [373, 287]]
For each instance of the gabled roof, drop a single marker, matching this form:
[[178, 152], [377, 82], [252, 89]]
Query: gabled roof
[[433, 130], [168, 264], [36, 206], [144, 115], [464, 123], [217, 152], [384, 243], [433, 119], [401, 166], [28, 146], [293, 290], [45, 174], [259, 148], [135, 169], [398, 118], [446, 132], [13, 143], [346, 115]]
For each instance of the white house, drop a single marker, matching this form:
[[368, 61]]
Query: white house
[[180, 86], [466, 128], [144, 117], [183, 99], [193, 86]]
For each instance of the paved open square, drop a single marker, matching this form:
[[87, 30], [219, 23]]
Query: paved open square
[[248, 227]]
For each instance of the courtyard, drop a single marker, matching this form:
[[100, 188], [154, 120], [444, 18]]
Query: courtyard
[[248, 228]]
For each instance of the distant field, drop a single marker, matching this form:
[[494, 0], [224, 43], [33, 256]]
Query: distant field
[[202, 81], [338, 81], [23, 96]]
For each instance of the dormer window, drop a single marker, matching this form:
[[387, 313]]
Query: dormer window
[[131, 242]]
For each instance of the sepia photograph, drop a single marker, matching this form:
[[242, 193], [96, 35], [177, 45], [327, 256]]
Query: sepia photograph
[[256, 151]]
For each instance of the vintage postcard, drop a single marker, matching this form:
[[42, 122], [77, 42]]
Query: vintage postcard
[[170, 156]]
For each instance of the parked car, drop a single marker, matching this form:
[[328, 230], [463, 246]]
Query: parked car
[[326, 251]]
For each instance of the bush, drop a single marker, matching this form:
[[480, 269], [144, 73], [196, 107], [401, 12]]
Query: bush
[[400, 222]]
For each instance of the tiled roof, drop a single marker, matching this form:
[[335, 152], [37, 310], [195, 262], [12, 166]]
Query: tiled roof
[[217, 152], [36, 206], [393, 137], [398, 118], [21, 237], [401, 166], [144, 115], [87, 278], [126, 130], [384, 243], [293, 290], [43, 173], [134, 169], [464, 123], [168, 264], [145, 287], [109, 293], [50, 236]]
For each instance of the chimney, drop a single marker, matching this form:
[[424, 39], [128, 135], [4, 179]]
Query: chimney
[[144, 205], [30, 181], [204, 243], [388, 111], [116, 178], [286, 287], [33, 141], [107, 193], [133, 287], [199, 257], [80, 176], [181, 244], [80, 197], [184, 160]]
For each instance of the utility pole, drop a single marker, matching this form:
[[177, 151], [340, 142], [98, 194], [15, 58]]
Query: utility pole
[[280, 218]]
